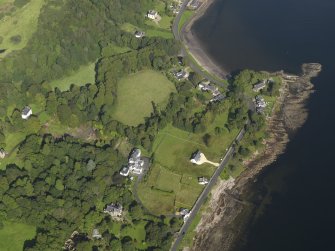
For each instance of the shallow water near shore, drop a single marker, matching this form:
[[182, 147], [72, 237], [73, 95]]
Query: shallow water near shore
[[298, 210]]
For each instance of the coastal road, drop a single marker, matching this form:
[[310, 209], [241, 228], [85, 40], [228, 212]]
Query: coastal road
[[178, 36], [201, 199]]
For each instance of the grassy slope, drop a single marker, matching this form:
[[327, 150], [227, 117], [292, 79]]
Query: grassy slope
[[13, 235], [22, 22], [136, 92], [184, 18], [85, 74]]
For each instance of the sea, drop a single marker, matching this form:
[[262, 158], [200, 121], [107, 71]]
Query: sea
[[299, 211]]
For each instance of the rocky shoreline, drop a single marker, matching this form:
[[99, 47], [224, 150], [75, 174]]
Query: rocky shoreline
[[231, 208]]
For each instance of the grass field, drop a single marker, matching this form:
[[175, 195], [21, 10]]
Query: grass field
[[153, 31], [85, 74], [13, 235], [164, 191], [22, 22], [137, 91], [184, 18]]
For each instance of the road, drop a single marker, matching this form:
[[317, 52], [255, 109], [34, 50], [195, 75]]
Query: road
[[177, 35], [201, 199]]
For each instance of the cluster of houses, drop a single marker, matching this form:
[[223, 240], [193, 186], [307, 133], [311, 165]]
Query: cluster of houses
[[206, 86], [135, 164], [175, 6], [260, 104]]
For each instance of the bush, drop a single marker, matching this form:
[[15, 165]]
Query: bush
[[16, 39]]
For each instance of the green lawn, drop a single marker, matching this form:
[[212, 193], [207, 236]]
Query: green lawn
[[137, 91], [112, 49], [184, 18], [85, 74], [13, 235], [22, 22], [164, 192]]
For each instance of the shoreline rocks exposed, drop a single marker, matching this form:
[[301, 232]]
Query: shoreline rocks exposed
[[230, 211]]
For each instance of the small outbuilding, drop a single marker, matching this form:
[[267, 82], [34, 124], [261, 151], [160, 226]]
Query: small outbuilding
[[203, 181], [26, 112], [139, 34]]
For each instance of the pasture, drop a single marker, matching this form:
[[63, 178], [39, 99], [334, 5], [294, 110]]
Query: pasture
[[17, 28], [13, 235], [136, 93]]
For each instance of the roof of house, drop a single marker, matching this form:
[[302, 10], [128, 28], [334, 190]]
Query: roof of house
[[152, 12], [259, 85], [114, 207], [26, 110], [135, 153], [196, 156]]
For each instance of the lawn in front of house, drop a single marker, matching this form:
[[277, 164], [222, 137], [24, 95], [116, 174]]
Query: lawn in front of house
[[165, 22], [136, 93], [184, 18], [23, 23], [13, 235]]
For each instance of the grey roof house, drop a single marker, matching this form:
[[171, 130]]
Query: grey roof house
[[196, 157], [26, 112], [114, 210]]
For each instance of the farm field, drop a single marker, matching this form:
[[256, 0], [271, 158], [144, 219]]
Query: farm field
[[17, 28], [164, 192], [137, 91], [13, 235]]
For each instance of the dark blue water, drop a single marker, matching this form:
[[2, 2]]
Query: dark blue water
[[274, 35]]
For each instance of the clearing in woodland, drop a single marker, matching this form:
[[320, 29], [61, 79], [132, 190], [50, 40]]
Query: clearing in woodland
[[136, 93]]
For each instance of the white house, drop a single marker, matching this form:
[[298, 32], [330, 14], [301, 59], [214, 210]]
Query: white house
[[96, 234], [135, 162], [26, 112], [183, 211], [196, 157], [2, 153], [152, 14], [124, 171]]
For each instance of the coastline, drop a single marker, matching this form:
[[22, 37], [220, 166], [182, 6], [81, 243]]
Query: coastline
[[194, 46], [233, 206]]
